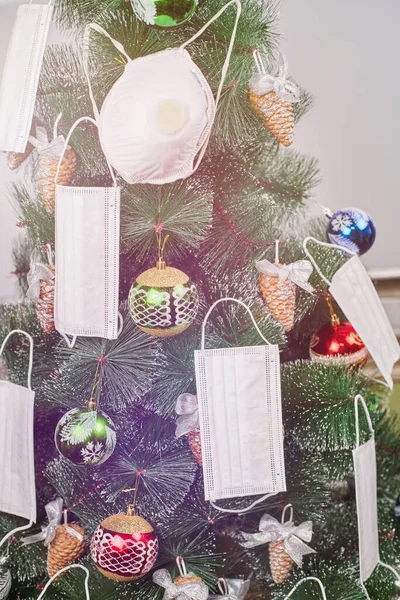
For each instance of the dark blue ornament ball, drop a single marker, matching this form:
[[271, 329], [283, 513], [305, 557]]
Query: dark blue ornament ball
[[352, 228]]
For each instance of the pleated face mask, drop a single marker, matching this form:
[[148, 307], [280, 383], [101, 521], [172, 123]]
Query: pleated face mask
[[17, 480], [21, 74], [156, 121], [354, 292], [87, 258]]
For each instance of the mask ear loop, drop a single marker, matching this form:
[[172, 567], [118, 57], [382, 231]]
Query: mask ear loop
[[360, 399], [29, 385], [86, 40], [29, 377], [224, 68], [71, 131], [336, 246], [63, 571], [203, 328], [323, 593], [203, 333]]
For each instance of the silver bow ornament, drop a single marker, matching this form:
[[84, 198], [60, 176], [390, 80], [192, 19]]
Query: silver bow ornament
[[263, 83], [37, 272], [54, 511], [298, 272], [188, 408], [192, 590], [293, 537], [232, 589]]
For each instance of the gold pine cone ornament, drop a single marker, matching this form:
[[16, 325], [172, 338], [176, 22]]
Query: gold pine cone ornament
[[187, 407], [272, 98], [15, 159], [66, 548], [278, 284], [286, 541], [51, 154], [41, 281], [184, 585]]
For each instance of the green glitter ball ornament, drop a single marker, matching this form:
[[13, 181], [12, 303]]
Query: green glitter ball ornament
[[164, 13], [85, 436]]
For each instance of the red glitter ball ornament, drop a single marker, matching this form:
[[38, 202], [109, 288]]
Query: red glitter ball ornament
[[338, 343], [124, 547]]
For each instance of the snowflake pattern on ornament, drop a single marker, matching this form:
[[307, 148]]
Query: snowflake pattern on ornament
[[341, 221], [76, 427], [5, 584], [145, 10], [93, 453]]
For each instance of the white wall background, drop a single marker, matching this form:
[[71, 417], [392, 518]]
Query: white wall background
[[347, 54]]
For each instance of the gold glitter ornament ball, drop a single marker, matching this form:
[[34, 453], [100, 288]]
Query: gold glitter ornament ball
[[124, 547], [163, 301]]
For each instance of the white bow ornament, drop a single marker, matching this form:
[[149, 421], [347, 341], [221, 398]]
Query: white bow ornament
[[231, 589], [192, 590], [45, 147], [298, 272], [263, 83], [54, 511], [188, 408], [273, 531], [37, 272]]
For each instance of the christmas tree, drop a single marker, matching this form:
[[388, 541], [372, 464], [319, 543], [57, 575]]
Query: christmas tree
[[106, 436]]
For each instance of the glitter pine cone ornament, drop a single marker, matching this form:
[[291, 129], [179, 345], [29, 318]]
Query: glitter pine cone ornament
[[272, 98], [188, 423], [163, 300], [286, 543], [185, 585], [164, 13], [15, 159], [125, 546], [41, 281], [50, 153], [66, 542], [278, 286], [351, 228], [338, 343], [66, 548]]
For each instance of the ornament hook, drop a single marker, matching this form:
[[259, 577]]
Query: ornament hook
[[161, 246]]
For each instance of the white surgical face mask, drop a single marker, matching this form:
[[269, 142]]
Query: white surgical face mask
[[87, 259], [164, 133], [21, 75], [354, 292], [364, 460], [239, 394], [17, 482]]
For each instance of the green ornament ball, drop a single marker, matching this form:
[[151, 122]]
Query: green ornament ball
[[85, 437], [164, 13]]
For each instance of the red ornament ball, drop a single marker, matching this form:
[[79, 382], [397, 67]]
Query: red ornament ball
[[124, 547], [338, 344]]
